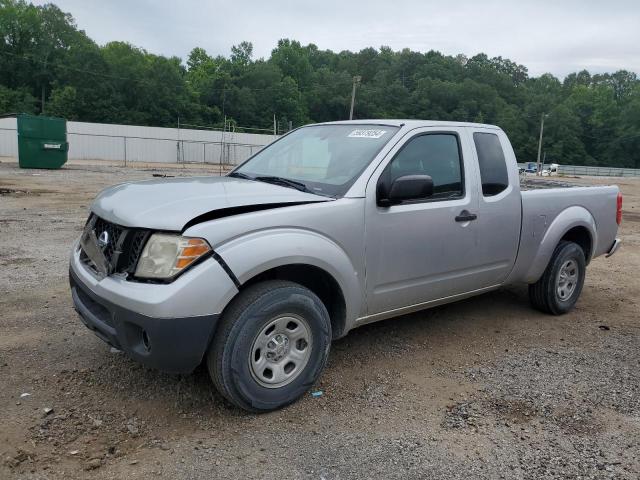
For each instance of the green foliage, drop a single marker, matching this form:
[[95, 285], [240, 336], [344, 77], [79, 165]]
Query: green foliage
[[16, 101], [591, 119]]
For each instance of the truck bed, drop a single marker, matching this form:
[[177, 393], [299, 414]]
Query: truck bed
[[549, 207], [541, 183]]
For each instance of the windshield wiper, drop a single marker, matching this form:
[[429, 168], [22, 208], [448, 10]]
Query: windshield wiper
[[285, 182], [240, 175]]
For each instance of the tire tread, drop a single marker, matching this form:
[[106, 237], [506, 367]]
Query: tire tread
[[541, 293], [218, 350]]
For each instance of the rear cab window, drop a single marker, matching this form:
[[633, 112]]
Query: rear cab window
[[493, 165]]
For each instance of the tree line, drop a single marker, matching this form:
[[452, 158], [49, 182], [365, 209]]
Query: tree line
[[49, 66]]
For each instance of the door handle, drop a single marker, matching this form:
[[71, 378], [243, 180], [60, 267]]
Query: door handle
[[466, 216]]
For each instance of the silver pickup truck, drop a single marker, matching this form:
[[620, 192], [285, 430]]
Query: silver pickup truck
[[330, 227]]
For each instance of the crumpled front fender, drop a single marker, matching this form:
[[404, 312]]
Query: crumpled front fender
[[257, 252]]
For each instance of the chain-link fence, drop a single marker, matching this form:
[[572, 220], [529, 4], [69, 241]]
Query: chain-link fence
[[134, 149], [580, 170], [127, 144]]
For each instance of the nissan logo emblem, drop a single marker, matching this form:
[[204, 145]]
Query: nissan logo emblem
[[103, 239]]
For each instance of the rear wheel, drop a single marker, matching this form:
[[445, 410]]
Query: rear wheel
[[271, 346], [560, 286]]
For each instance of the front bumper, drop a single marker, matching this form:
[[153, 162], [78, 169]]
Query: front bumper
[[174, 345], [202, 290], [163, 326]]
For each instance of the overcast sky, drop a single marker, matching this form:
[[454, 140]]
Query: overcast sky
[[559, 36]]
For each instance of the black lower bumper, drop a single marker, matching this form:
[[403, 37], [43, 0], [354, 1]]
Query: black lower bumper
[[174, 345]]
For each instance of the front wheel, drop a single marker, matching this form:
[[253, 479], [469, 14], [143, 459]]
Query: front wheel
[[558, 289], [271, 346]]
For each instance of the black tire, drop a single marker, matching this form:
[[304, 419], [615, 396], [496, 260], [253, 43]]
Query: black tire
[[544, 293], [244, 319]]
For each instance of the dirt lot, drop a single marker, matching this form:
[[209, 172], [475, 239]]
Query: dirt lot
[[486, 388]]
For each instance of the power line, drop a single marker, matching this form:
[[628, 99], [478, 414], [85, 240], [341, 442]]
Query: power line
[[67, 67], [205, 127]]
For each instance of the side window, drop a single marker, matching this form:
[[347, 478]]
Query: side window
[[493, 167], [434, 154]]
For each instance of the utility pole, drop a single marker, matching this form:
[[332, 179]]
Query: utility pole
[[224, 100], [224, 129], [178, 143], [356, 81], [538, 169], [43, 90]]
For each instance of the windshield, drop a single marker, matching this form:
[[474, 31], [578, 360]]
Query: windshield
[[325, 159]]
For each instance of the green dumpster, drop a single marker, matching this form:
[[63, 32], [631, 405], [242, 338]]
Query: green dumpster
[[42, 141]]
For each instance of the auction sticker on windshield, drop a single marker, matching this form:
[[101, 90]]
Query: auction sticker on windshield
[[367, 133]]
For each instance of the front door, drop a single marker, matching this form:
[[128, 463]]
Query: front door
[[425, 249]]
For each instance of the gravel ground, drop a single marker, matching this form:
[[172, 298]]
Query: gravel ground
[[484, 388]]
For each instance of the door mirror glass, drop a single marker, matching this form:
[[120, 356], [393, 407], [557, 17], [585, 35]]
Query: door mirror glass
[[408, 187]]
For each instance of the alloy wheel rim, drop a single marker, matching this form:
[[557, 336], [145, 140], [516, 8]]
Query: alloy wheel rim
[[280, 351]]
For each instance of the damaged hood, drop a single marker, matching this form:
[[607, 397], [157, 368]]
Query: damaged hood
[[171, 204]]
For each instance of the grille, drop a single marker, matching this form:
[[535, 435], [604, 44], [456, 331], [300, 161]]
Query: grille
[[113, 231], [123, 248], [134, 248]]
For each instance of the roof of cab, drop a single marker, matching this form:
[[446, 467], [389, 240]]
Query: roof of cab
[[411, 123]]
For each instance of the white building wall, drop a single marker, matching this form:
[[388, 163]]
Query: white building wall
[[8, 137], [101, 141]]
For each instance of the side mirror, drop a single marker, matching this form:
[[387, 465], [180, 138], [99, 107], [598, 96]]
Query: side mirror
[[408, 187]]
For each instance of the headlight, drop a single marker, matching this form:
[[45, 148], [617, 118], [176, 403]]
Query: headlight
[[164, 255]]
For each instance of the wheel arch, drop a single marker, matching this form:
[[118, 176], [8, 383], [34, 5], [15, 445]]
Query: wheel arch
[[575, 224], [581, 236], [317, 280], [304, 257]]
